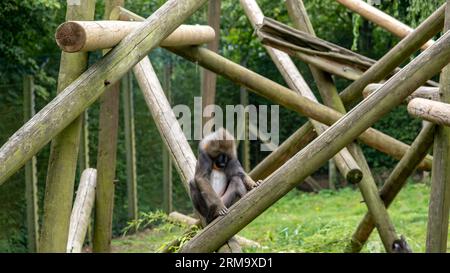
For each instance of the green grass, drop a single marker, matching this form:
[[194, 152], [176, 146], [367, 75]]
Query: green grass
[[305, 222]]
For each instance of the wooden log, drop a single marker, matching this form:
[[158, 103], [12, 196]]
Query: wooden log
[[76, 36], [31, 190], [245, 143], [331, 98], [130, 145], [81, 212], [394, 183], [287, 98], [344, 160], [433, 111], [396, 56], [209, 79], [323, 147], [168, 126], [187, 220], [381, 19], [167, 162], [64, 148], [425, 92], [76, 97], [106, 157], [439, 207]]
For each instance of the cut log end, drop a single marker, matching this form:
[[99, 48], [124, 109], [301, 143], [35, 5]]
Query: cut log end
[[70, 37], [354, 176]]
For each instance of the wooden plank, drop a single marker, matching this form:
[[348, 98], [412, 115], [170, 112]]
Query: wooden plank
[[64, 148], [31, 172], [433, 111]]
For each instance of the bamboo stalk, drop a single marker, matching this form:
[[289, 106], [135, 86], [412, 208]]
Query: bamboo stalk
[[433, 111], [31, 190], [76, 36], [106, 157], [344, 160], [382, 19], [209, 79], [63, 151], [81, 212], [323, 147], [425, 92], [439, 208], [394, 183], [130, 145], [396, 56], [331, 98], [287, 98], [76, 97]]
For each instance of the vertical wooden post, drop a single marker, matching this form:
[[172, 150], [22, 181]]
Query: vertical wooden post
[[209, 79], [83, 159], [332, 175], [245, 147], [167, 162], [30, 171], [130, 145], [106, 158], [64, 149], [438, 213]]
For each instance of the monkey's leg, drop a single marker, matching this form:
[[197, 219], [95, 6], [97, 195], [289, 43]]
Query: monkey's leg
[[213, 202], [235, 190]]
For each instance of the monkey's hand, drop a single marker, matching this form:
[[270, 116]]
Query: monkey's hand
[[223, 211], [258, 183]]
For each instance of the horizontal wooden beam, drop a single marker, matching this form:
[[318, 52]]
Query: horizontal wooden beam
[[424, 92], [75, 36], [433, 111]]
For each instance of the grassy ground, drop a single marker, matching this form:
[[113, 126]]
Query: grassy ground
[[305, 222]]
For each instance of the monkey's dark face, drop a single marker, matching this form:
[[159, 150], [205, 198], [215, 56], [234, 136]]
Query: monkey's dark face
[[221, 161]]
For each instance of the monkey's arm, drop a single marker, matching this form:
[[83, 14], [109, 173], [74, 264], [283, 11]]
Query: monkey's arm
[[202, 173]]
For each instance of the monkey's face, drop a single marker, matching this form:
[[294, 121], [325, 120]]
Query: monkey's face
[[220, 161]]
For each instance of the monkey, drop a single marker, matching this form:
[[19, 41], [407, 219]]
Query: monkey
[[219, 180]]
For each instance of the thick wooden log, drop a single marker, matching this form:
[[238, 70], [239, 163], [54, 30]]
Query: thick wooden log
[[396, 56], [31, 191], [289, 99], [394, 183], [76, 97], [324, 147], [76, 36], [106, 157], [344, 160], [81, 212], [433, 111], [209, 79], [130, 145], [381, 19], [439, 208], [424, 92], [331, 98], [187, 220], [64, 148]]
